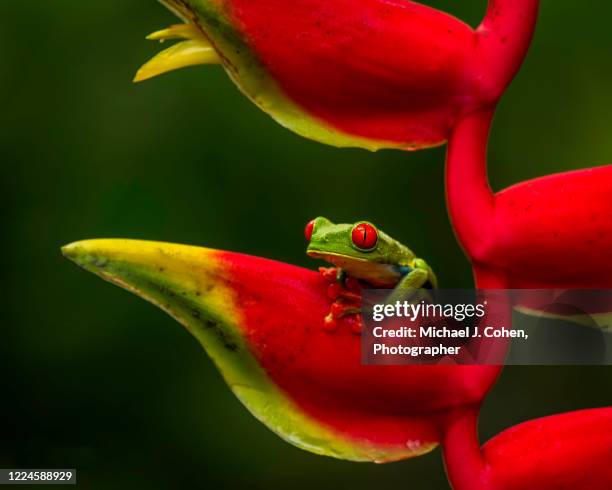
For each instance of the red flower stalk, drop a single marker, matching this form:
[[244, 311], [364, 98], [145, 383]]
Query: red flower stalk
[[262, 323], [552, 232], [367, 73]]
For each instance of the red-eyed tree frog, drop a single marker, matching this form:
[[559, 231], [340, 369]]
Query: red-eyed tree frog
[[363, 256]]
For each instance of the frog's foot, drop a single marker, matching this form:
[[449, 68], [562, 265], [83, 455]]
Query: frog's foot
[[329, 273], [340, 309], [356, 324]]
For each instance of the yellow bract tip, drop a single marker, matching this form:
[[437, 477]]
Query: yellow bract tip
[[186, 53], [178, 31]]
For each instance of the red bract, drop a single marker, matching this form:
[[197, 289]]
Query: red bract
[[367, 73], [570, 450], [551, 232], [261, 322]]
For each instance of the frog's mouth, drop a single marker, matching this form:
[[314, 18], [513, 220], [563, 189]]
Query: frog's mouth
[[193, 49], [334, 258], [375, 273]]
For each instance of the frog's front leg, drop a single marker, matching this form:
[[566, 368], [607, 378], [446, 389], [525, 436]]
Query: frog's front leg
[[415, 279], [346, 293], [431, 277]]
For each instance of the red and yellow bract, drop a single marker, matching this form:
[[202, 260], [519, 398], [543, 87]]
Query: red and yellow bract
[[262, 323]]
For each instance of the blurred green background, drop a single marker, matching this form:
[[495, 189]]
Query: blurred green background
[[96, 379]]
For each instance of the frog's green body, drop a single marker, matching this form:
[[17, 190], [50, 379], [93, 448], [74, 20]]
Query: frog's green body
[[362, 253], [387, 264]]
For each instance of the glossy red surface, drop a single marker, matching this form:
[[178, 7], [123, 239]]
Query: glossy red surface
[[568, 451], [556, 231], [389, 70]]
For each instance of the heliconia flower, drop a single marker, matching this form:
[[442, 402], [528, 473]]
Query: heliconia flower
[[571, 450], [262, 323], [550, 232], [364, 73]]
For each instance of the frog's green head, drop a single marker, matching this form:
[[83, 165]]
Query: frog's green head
[[360, 249]]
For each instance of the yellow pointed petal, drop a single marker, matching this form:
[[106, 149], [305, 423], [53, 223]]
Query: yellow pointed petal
[[186, 53], [177, 31]]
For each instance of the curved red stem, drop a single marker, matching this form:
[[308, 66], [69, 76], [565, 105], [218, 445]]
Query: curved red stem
[[503, 39], [470, 201], [504, 36], [465, 466]]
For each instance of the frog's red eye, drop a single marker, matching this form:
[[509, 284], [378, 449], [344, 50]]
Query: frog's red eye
[[308, 229], [364, 236]]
